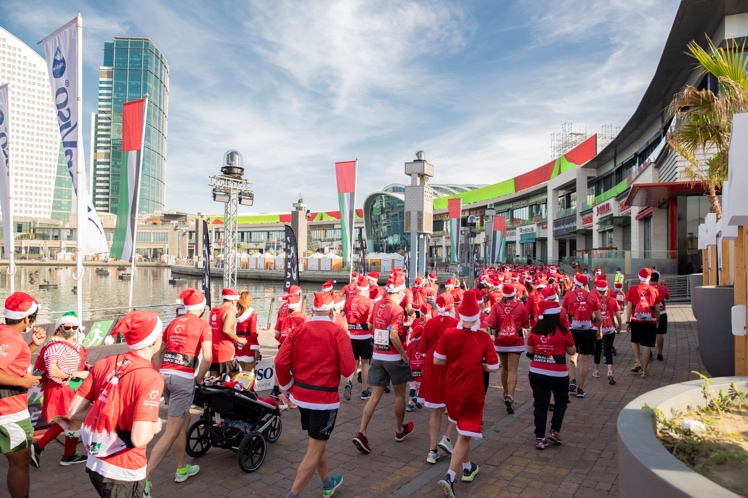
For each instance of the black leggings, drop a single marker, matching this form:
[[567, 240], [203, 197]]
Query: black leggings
[[542, 387], [605, 346]]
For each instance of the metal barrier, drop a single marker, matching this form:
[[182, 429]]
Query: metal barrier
[[676, 284]]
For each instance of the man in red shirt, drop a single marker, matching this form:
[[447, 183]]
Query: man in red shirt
[[358, 313], [349, 290], [15, 380], [309, 365], [584, 312], [390, 362], [283, 312], [664, 294], [118, 404], [467, 352], [223, 329], [183, 340], [642, 320]]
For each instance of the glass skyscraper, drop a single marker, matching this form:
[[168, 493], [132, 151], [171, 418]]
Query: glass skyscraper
[[133, 67]]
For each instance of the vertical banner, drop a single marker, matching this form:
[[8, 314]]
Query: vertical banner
[[62, 49], [5, 179], [133, 138], [206, 263], [455, 217], [292, 259], [345, 175], [498, 243], [362, 252]]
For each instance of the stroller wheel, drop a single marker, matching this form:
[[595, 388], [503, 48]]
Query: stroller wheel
[[198, 438], [252, 451], [273, 432]]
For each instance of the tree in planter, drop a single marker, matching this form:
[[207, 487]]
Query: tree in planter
[[704, 118]]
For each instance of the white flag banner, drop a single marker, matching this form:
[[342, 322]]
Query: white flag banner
[[63, 64], [5, 204]]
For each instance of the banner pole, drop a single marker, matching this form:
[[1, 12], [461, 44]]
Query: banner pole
[[81, 201], [352, 229], [137, 201], [11, 265]]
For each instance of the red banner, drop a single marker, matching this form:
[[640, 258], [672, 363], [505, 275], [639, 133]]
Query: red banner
[[345, 174], [499, 224], [132, 125], [455, 208]]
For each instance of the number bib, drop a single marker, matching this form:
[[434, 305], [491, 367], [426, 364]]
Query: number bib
[[382, 339]]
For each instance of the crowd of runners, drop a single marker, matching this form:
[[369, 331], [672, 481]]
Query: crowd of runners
[[430, 348]]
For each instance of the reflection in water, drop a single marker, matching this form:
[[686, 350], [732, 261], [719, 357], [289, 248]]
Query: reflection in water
[[151, 286]]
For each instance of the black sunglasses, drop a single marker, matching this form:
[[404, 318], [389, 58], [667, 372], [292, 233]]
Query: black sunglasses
[[69, 327]]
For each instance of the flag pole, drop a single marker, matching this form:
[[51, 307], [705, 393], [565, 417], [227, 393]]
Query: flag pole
[[137, 202], [80, 199], [352, 229], [12, 256]]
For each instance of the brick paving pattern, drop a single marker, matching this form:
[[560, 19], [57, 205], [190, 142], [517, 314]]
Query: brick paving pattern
[[510, 466]]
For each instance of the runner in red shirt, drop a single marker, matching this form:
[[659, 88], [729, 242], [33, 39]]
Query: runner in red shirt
[[358, 313], [282, 314], [223, 329], [246, 326], [390, 362], [432, 288], [185, 338], [15, 380], [585, 330], [547, 346], [642, 320], [466, 351], [416, 366], [664, 294], [610, 314], [118, 404], [349, 290]]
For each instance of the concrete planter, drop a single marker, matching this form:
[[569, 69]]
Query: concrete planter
[[694, 280], [645, 467], [716, 342]]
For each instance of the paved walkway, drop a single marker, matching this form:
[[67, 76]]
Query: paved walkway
[[585, 465]]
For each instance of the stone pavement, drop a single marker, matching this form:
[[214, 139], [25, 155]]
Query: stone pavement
[[510, 466]]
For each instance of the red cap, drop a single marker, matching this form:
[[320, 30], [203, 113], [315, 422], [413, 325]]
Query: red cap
[[327, 286], [645, 274], [445, 302], [372, 275], [192, 299], [469, 309], [549, 293], [395, 283], [19, 305], [362, 283], [580, 279], [508, 290]]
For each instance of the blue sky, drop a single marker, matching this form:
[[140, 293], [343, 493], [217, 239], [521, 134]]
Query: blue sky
[[296, 86]]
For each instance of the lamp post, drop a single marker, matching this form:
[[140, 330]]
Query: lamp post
[[232, 190], [419, 209], [489, 213], [471, 223]]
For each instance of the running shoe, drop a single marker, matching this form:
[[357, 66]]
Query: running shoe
[[185, 473], [447, 486], [36, 456], [611, 380], [581, 393], [541, 443], [555, 437], [76, 457], [445, 445], [409, 407], [573, 385], [387, 388], [644, 373], [147, 490], [348, 389], [469, 474], [275, 392], [366, 394], [407, 429], [637, 367], [509, 402], [660, 358], [419, 405], [361, 443], [596, 374], [433, 457], [336, 481]]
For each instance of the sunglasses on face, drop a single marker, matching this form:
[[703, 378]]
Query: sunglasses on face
[[69, 327]]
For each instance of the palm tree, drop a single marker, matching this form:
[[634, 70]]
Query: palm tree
[[704, 118]]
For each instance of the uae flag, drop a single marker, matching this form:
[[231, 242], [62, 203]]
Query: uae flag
[[498, 242], [133, 138], [345, 174], [455, 217]]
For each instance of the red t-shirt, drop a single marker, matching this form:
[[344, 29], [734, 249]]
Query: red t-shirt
[[223, 345], [518, 311], [550, 353], [341, 321], [577, 295], [358, 313], [610, 307], [283, 312], [139, 394], [184, 338], [417, 359], [407, 300], [387, 314], [289, 323], [15, 358], [650, 298], [349, 290], [664, 294]]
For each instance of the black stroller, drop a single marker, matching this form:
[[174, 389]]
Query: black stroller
[[235, 420]]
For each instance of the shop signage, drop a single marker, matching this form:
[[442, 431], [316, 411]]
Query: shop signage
[[528, 229], [511, 234], [563, 226], [587, 221], [603, 208], [623, 209], [519, 204]]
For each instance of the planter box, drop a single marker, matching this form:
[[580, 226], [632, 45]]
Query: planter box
[[714, 324], [645, 467], [694, 280]]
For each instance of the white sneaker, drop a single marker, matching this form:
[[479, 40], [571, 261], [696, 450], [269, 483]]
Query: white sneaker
[[445, 445], [596, 374], [433, 457]]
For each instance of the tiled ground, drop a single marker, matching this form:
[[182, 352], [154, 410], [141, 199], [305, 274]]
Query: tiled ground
[[585, 465]]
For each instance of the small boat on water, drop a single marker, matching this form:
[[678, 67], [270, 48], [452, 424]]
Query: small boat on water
[[125, 276], [102, 271], [47, 285]]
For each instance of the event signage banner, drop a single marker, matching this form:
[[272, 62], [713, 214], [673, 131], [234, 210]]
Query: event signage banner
[[291, 268], [345, 176], [455, 218], [206, 263], [5, 179]]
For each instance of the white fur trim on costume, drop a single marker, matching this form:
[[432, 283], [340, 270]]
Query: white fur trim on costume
[[358, 287], [230, 298], [317, 318], [324, 307], [19, 315], [246, 359], [552, 297], [474, 435], [577, 282], [293, 306], [474, 318], [245, 316], [195, 307], [69, 319], [552, 311], [314, 406], [287, 386], [439, 356], [493, 367], [509, 295], [429, 404], [151, 337], [394, 290], [474, 327]]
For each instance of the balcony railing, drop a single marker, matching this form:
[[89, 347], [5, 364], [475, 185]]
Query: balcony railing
[[563, 213]]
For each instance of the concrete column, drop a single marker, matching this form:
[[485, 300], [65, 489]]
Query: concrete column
[[552, 215], [299, 226]]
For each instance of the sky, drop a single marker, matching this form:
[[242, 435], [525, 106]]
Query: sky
[[295, 86]]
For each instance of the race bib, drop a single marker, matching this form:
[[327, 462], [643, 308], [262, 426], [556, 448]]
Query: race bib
[[382, 339]]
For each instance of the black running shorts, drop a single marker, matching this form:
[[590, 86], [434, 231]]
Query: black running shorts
[[318, 423], [644, 333]]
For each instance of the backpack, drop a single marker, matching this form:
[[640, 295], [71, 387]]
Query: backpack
[[607, 325], [643, 311], [582, 319], [508, 334]]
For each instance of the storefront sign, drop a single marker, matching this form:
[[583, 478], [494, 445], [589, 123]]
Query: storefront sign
[[623, 209], [564, 226], [511, 234], [519, 204], [603, 208], [587, 221], [528, 229]]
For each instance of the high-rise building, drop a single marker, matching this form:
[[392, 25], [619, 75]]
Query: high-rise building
[[132, 69], [34, 132]]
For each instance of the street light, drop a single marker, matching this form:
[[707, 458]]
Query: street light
[[489, 212], [471, 223]]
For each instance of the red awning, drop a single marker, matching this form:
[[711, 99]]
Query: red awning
[[644, 213], [656, 194]]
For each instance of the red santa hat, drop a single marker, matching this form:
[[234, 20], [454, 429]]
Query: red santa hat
[[601, 284], [327, 286], [432, 277], [323, 301], [373, 276], [598, 271], [515, 276], [425, 309], [580, 279], [508, 290], [362, 283], [445, 302], [229, 294], [542, 285], [449, 283], [549, 294], [548, 308], [293, 300], [645, 274], [19, 305], [376, 293], [339, 300], [192, 299], [294, 289], [395, 283], [618, 285], [139, 328], [418, 282], [469, 309], [354, 276], [416, 331]]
